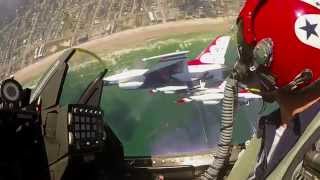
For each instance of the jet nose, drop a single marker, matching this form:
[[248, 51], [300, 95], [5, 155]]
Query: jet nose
[[183, 101], [153, 91]]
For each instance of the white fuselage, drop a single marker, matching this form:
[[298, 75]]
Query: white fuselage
[[202, 68], [126, 76], [169, 89], [215, 95]]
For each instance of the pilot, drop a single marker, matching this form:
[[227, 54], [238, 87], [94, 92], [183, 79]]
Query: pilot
[[279, 47]]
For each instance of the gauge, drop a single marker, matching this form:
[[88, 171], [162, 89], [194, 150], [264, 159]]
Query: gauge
[[11, 90]]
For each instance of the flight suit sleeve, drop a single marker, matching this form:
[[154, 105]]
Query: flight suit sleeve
[[246, 162]]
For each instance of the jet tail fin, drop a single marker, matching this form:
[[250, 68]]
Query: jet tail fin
[[214, 53]]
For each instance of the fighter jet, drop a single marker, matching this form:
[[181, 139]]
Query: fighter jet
[[214, 95], [174, 72]]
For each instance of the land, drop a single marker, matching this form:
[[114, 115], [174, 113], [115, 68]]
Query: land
[[39, 28]]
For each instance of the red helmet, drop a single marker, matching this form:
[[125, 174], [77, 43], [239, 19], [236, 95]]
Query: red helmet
[[282, 39]]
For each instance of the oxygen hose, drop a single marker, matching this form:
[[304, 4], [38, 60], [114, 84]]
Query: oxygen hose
[[226, 131]]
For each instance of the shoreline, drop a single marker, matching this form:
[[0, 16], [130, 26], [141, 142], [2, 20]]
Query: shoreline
[[127, 39]]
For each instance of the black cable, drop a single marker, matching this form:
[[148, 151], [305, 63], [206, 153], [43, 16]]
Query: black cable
[[59, 159], [226, 130]]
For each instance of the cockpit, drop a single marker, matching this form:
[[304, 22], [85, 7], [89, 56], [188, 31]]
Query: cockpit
[[147, 136]]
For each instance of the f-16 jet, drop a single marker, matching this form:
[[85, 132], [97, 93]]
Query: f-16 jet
[[174, 72], [214, 95]]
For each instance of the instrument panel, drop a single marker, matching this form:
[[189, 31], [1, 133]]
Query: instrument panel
[[85, 129]]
